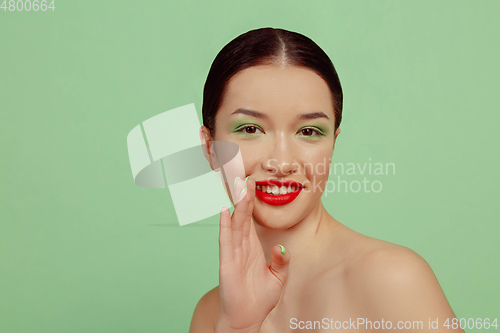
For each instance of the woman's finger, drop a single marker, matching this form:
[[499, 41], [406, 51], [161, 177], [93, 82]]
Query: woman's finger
[[248, 220], [225, 236], [239, 215], [280, 259], [252, 236]]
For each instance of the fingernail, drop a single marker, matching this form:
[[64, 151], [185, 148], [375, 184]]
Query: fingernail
[[246, 180], [235, 179], [282, 249], [243, 190], [222, 209]]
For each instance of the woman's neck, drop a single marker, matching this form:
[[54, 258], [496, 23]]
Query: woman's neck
[[308, 242]]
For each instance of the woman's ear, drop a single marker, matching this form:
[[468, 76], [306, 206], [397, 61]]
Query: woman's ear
[[208, 147], [337, 132]]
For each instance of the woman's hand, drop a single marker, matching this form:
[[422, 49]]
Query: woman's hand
[[249, 288]]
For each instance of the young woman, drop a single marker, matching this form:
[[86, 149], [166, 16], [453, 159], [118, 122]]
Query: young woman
[[277, 95]]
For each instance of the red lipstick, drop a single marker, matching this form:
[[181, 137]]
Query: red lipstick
[[277, 199]]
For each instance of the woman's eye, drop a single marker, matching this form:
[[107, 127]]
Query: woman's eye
[[249, 129], [310, 132]]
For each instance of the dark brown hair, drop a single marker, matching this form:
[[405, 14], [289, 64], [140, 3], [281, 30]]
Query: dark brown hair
[[266, 46]]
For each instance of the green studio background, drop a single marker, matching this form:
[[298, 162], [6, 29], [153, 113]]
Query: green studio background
[[83, 249]]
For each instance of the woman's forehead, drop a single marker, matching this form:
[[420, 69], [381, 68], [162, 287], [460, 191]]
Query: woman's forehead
[[273, 88]]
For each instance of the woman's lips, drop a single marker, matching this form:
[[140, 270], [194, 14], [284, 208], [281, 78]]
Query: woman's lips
[[276, 197]]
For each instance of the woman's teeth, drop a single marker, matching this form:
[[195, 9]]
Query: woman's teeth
[[275, 190]]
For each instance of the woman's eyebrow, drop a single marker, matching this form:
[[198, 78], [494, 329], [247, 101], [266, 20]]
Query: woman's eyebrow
[[312, 115], [252, 113], [256, 114]]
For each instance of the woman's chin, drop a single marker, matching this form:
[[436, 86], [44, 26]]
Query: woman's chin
[[273, 225], [271, 218]]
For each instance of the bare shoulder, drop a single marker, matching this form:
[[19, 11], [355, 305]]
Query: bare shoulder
[[368, 255], [395, 281], [381, 260], [207, 312]]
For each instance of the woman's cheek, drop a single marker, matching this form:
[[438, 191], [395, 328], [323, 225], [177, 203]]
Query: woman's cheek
[[319, 184]]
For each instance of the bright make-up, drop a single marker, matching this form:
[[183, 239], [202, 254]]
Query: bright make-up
[[316, 132], [277, 192], [240, 128]]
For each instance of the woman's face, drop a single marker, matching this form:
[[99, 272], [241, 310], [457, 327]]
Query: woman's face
[[282, 118]]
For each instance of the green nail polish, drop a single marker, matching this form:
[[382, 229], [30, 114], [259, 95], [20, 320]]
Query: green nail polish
[[282, 249], [243, 190], [235, 181], [246, 180]]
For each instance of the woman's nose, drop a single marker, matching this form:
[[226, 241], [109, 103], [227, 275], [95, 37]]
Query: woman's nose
[[280, 161]]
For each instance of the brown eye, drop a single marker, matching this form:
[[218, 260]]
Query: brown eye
[[250, 129], [307, 131]]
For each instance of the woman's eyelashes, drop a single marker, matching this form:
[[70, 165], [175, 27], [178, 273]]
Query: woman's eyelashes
[[306, 131], [248, 129], [312, 132]]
